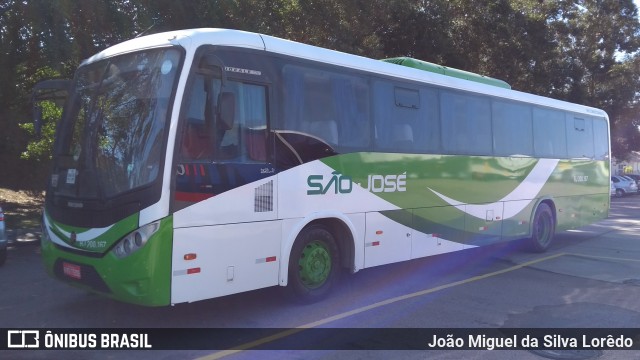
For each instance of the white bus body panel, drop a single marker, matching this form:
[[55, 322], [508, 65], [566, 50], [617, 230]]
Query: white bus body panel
[[231, 259], [234, 206], [237, 248], [386, 241], [431, 244]]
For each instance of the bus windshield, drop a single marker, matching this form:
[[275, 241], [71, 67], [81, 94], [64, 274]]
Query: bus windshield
[[112, 136]]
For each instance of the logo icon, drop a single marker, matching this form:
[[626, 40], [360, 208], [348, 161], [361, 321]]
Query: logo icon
[[22, 339]]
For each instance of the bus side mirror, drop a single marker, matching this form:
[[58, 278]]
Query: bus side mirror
[[226, 110], [56, 90]]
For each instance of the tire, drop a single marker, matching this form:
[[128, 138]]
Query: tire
[[3, 256], [313, 264], [543, 230], [619, 193]]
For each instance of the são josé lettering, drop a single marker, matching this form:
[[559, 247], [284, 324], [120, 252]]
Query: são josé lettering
[[527, 341], [343, 184], [96, 341]]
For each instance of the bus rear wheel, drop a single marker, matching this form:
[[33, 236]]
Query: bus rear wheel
[[314, 264], [544, 228]]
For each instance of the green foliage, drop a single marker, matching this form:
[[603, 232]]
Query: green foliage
[[41, 148]]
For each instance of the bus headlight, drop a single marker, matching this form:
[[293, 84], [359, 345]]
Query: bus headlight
[[134, 241]]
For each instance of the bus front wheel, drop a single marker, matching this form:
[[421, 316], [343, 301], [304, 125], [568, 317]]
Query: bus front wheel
[[543, 230], [314, 264]]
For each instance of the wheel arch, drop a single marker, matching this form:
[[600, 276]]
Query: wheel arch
[[341, 227], [554, 211]]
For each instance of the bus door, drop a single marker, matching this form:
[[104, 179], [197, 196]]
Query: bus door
[[224, 140], [225, 239]]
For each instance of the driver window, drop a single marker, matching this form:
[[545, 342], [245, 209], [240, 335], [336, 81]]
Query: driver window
[[197, 136], [248, 136], [205, 138]]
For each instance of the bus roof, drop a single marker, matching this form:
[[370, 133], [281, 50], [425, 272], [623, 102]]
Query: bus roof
[[439, 69], [194, 38]]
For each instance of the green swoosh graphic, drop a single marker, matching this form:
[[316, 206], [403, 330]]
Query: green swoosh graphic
[[528, 189]]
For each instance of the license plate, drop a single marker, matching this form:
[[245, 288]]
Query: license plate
[[72, 270]]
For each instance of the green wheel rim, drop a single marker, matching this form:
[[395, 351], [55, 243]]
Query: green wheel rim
[[314, 264]]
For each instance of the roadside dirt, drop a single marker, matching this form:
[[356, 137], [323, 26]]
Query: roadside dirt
[[22, 209]]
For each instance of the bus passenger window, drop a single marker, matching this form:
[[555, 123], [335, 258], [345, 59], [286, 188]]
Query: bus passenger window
[[580, 137], [600, 136], [402, 137], [329, 107], [326, 130], [549, 133]]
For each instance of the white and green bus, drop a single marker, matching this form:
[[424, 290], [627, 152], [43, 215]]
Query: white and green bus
[[200, 163]]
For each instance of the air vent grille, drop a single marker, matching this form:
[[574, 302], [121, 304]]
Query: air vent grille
[[264, 197]]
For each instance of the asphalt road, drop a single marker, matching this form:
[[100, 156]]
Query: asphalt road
[[589, 278]]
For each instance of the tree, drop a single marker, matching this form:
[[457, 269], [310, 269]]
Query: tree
[[585, 51], [597, 39], [41, 38]]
